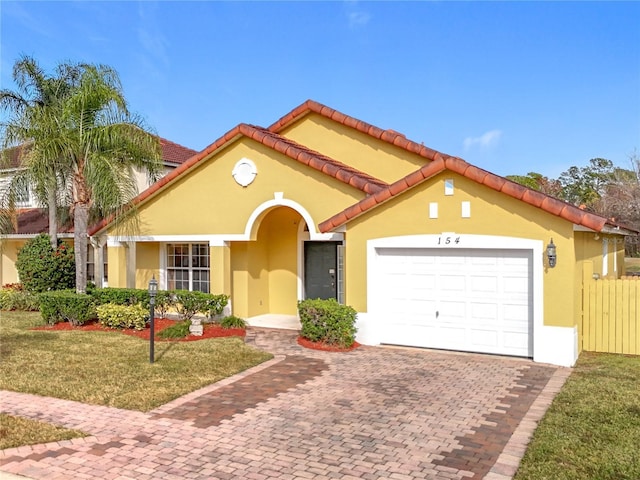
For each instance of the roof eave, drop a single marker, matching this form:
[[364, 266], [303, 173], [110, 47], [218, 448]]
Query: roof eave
[[24, 236]]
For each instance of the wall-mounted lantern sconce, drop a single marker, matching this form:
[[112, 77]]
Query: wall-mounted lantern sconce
[[551, 254]]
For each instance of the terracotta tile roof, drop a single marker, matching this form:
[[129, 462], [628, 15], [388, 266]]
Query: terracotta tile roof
[[174, 153], [11, 157], [378, 191], [540, 200], [171, 153], [389, 136], [31, 221], [270, 139]]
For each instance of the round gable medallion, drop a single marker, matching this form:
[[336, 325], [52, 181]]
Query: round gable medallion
[[244, 172]]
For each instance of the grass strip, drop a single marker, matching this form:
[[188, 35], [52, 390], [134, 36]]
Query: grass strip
[[592, 429], [17, 432]]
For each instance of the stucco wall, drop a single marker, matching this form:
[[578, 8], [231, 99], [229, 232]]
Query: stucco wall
[[589, 246], [147, 263], [208, 201], [281, 237], [9, 252]]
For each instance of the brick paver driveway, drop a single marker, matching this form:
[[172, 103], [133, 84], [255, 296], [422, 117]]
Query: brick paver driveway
[[372, 413]]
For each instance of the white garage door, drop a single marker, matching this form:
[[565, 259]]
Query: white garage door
[[465, 299]]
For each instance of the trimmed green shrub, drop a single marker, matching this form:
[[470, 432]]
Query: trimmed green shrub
[[121, 296], [41, 268], [327, 321], [189, 303], [61, 306], [177, 330], [122, 316], [14, 297], [216, 304], [164, 301], [233, 322]]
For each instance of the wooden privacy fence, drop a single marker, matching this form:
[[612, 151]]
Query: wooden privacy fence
[[610, 314]]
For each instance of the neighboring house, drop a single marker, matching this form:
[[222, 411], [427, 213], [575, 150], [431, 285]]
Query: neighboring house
[[32, 219], [430, 250]]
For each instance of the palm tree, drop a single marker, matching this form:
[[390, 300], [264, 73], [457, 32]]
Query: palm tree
[[90, 143], [29, 109], [100, 143]]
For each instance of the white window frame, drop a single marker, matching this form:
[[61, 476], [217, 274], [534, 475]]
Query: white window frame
[[91, 262], [23, 192], [605, 257], [190, 269]]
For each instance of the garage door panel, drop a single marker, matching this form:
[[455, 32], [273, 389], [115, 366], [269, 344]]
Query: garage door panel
[[418, 260], [448, 336], [450, 309], [472, 300], [449, 260], [484, 340], [515, 314], [482, 260], [420, 306], [485, 284], [452, 284], [516, 340], [422, 282], [484, 311]]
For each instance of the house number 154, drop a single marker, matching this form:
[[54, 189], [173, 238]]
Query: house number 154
[[448, 240]]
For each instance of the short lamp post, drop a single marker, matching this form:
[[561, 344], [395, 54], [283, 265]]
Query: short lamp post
[[153, 291], [551, 254]]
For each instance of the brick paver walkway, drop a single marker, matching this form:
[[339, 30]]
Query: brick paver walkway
[[373, 413]]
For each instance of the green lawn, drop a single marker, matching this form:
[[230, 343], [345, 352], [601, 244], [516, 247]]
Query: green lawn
[[632, 265], [108, 368], [592, 429], [16, 432]]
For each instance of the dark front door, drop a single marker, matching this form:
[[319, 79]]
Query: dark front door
[[320, 269]]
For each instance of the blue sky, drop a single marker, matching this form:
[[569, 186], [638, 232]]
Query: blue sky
[[511, 87]]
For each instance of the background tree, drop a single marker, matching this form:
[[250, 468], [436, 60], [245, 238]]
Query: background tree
[[600, 187], [539, 182], [30, 121], [581, 186], [584, 186], [621, 197]]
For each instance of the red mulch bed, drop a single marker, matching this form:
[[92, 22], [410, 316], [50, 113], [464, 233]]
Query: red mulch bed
[[210, 330], [324, 346]]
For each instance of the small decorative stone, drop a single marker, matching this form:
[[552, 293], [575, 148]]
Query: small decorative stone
[[196, 327]]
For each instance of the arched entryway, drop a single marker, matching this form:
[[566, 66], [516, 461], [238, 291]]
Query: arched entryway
[[265, 268], [281, 258]]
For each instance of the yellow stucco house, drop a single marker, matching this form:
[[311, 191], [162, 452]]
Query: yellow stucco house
[[430, 250]]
